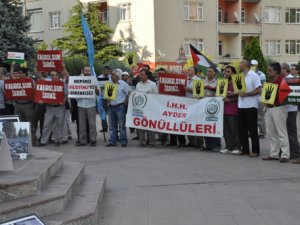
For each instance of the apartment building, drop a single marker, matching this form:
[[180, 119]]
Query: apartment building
[[157, 29]]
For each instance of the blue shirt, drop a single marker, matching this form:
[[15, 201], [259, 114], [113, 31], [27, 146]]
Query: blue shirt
[[122, 92]]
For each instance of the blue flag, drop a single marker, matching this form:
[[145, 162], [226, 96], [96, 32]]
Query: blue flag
[[90, 51], [89, 42]]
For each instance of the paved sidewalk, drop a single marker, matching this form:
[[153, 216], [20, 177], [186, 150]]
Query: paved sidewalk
[[182, 186]]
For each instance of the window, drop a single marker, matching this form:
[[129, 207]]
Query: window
[[124, 12], [55, 20], [273, 15], [292, 15], [193, 11], [272, 47], [220, 15], [36, 20], [243, 15], [126, 46], [197, 43], [104, 17], [292, 47], [220, 48]]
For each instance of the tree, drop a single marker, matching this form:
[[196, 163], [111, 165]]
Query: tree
[[74, 43], [253, 51], [13, 28]]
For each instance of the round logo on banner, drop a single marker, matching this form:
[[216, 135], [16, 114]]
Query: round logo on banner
[[139, 100], [212, 108]]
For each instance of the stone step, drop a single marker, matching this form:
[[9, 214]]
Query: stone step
[[85, 206], [29, 176], [52, 199]]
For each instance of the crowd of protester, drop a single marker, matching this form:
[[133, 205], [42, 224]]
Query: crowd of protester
[[244, 116]]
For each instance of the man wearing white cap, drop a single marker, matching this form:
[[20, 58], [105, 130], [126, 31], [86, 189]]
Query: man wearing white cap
[[261, 110]]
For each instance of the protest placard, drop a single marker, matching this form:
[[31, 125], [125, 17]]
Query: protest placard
[[268, 93], [102, 81], [176, 115], [238, 81], [81, 87], [110, 91], [198, 88], [17, 57], [222, 86], [51, 92], [172, 84], [49, 60], [19, 89], [135, 70], [289, 91]]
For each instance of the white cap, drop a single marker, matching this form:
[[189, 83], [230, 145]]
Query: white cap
[[254, 62], [125, 73]]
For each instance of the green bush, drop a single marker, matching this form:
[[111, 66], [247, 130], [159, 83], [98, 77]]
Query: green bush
[[74, 64]]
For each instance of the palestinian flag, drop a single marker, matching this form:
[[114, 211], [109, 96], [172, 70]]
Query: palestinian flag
[[203, 62]]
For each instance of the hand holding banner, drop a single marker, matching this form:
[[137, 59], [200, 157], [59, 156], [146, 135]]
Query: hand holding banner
[[198, 88], [268, 93], [49, 60], [51, 92], [110, 91], [222, 86], [239, 84], [19, 89]]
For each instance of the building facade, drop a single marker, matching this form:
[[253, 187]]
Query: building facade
[[156, 29]]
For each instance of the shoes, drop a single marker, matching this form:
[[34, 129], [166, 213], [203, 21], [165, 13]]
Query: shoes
[[252, 155], [181, 145], [79, 144], [189, 145], [243, 153], [171, 144], [143, 144], [152, 145], [261, 136], [64, 142], [93, 143], [103, 130], [110, 145], [135, 138], [236, 152], [269, 158], [225, 151], [57, 144], [70, 138], [297, 161], [40, 144], [283, 160], [124, 145]]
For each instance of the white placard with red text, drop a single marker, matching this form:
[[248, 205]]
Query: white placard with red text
[[176, 115]]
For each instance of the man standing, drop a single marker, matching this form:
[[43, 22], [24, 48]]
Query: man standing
[[25, 108], [87, 114], [117, 110], [247, 112], [194, 141], [54, 117], [260, 112], [291, 122], [147, 86], [276, 121], [103, 78]]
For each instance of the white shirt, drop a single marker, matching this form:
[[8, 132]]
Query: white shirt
[[252, 81], [148, 87], [189, 84], [291, 108]]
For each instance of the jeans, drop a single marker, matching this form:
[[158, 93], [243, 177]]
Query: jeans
[[117, 119]]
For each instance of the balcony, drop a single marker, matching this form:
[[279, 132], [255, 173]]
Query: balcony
[[229, 28]]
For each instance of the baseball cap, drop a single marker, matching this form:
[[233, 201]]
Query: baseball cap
[[254, 62]]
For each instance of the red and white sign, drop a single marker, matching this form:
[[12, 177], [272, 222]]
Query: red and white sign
[[51, 92], [135, 70], [19, 89], [172, 84], [49, 60], [81, 87], [176, 115], [289, 91]]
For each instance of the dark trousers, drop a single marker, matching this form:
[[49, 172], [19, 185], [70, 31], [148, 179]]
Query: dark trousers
[[291, 124], [231, 134], [174, 138], [9, 108], [248, 122], [212, 142], [40, 110], [104, 122]]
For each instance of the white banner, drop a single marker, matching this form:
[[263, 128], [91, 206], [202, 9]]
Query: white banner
[[81, 87], [176, 115]]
